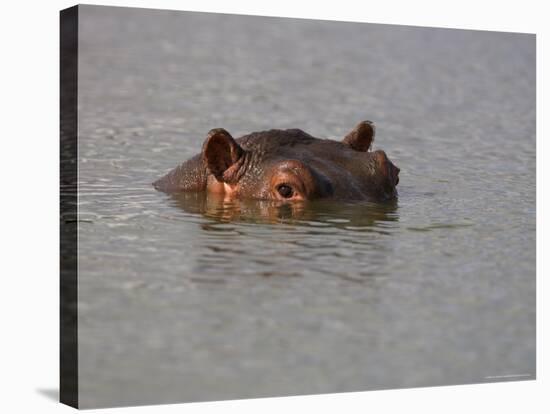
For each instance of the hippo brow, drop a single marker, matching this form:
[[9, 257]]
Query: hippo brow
[[275, 138]]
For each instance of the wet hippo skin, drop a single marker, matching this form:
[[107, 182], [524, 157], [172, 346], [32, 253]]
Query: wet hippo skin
[[287, 165]]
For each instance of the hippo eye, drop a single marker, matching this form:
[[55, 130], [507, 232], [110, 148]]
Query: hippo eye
[[285, 191]]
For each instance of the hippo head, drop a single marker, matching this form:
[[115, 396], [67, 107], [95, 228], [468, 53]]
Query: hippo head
[[287, 165]]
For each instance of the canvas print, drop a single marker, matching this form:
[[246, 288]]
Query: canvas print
[[261, 206]]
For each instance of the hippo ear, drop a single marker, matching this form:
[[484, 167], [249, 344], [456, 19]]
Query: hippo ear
[[222, 155], [361, 137]]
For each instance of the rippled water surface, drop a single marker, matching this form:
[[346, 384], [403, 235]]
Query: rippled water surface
[[187, 298]]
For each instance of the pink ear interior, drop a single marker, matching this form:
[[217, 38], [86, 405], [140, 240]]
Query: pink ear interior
[[220, 151]]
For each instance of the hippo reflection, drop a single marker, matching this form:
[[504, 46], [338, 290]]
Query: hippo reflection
[[322, 212], [287, 165]]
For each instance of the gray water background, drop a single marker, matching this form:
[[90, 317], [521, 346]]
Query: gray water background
[[182, 302]]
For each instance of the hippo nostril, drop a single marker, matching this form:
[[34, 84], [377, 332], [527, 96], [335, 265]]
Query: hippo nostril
[[397, 169], [381, 158], [386, 168]]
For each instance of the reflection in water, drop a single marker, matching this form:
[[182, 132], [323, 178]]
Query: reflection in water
[[326, 237], [355, 216]]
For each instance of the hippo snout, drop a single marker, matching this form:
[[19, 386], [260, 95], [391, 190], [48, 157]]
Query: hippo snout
[[386, 168], [395, 173]]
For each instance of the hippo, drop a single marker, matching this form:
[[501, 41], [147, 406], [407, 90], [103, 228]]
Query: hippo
[[287, 165]]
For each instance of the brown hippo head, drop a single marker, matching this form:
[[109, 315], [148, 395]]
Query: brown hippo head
[[287, 165]]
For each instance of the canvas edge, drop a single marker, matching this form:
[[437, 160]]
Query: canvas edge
[[68, 186]]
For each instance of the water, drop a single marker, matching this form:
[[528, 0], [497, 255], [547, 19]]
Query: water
[[188, 299]]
